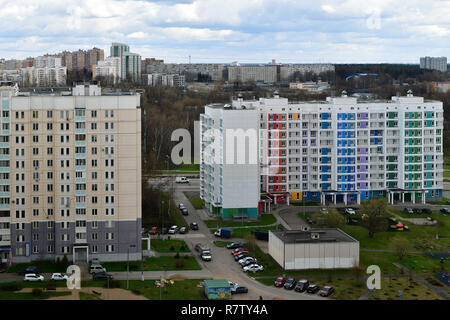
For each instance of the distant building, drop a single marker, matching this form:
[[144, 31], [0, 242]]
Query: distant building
[[440, 86], [44, 77], [212, 70], [287, 72], [313, 249], [261, 74], [434, 63], [166, 80], [130, 65], [310, 86], [110, 67]]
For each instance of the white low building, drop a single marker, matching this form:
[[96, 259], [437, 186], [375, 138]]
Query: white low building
[[313, 249]]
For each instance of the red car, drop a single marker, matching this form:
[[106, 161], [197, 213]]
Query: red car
[[237, 250], [326, 291], [153, 231], [240, 252], [280, 282]]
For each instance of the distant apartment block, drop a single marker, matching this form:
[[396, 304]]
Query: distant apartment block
[[212, 70], [338, 150], [434, 63], [287, 72], [166, 80], [108, 68], [130, 65], [260, 74], [443, 86], [70, 175]]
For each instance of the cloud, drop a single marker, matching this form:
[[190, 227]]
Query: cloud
[[224, 31]]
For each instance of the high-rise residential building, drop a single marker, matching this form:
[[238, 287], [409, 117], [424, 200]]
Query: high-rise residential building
[[48, 62], [166, 80], [338, 150], [434, 63], [109, 67], [131, 63], [93, 56], [212, 70], [70, 175], [44, 76]]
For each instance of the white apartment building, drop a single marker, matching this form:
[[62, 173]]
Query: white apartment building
[[288, 71], [434, 63], [110, 67], [338, 150], [44, 77], [70, 175], [130, 63], [215, 71]]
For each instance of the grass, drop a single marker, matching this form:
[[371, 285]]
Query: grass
[[244, 232], [154, 264], [144, 245], [88, 296], [159, 245], [265, 219], [176, 215], [197, 203], [43, 266], [410, 289], [222, 243], [180, 290], [30, 296]]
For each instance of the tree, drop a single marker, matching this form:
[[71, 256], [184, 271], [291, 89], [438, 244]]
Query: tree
[[400, 246], [375, 213], [334, 219], [251, 242]]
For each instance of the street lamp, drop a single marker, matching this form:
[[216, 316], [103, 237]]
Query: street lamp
[[128, 260]]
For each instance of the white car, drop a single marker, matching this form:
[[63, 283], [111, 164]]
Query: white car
[[253, 268], [181, 180], [173, 230], [244, 260], [181, 206], [59, 276], [350, 211], [33, 277]]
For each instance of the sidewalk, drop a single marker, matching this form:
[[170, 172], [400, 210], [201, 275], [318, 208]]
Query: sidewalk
[[188, 274]]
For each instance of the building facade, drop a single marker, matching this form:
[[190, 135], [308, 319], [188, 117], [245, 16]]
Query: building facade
[[434, 63], [70, 174], [130, 64], [109, 67], [262, 74], [338, 150]]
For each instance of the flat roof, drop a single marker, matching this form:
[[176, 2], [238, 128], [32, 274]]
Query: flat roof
[[325, 235], [217, 283]]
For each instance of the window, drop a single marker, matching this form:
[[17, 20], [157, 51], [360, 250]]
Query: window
[[110, 248], [49, 114]]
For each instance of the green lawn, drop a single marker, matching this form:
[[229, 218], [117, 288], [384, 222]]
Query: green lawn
[[169, 245], [180, 290], [88, 296], [244, 232], [410, 289], [43, 266], [222, 243], [197, 203], [154, 264], [144, 245], [29, 295], [265, 219]]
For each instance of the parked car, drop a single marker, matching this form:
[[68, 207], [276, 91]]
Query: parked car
[[183, 230], [224, 233], [236, 250], [326, 291], [253, 268], [445, 210], [206, 256], [144, 232], [245, 260], [235, 245], [313, 288], [96, 268], [193, 226], [249, 262], [280, 281], [102, 276], [290, 283], [240, 252], [408, 210], [164, 231], [238, 289], [201, 247], [181, 206], [184, 212], [181, 180], [59, 276], [242, 255], [31, 269], [427, 211], [417, 211], [173, 230], [350, 211], [153, 231], [33, 277], [301, 285]]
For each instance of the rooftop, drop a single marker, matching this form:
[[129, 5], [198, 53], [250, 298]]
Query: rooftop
[[217, 283], [325, 235]]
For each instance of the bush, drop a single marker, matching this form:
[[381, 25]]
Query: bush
[[180, 263], [58, 260], [186, 257], [135, 291], [36, 292], [65, 261], [177, 256], [50, 287], [172, 248]]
